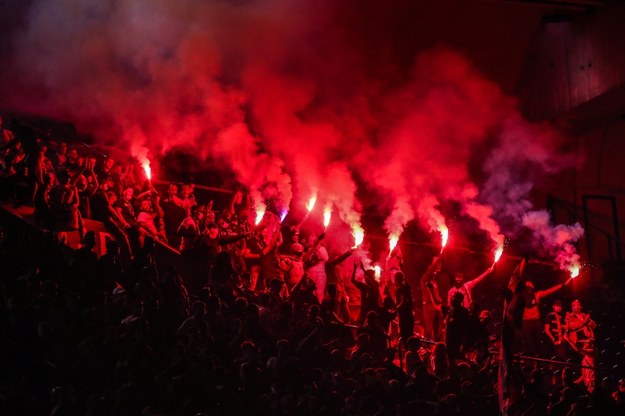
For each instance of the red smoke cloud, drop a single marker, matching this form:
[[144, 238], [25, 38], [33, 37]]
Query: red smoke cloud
[[297, 98]]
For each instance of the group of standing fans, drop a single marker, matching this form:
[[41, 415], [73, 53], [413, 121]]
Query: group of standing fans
[[280, 325]]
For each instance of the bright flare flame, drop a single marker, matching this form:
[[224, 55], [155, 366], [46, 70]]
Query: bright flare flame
[[392, 242], [283, 215], [147, 169], [260, 213], [574, 270], [378, 272], [498, 254], [327, 214], [311, 203], [359, 235], [444, 235]]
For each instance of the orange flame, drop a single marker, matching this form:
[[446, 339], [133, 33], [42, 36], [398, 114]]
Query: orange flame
[[327, 214], [311, 203], [359, 235], [498, 254]]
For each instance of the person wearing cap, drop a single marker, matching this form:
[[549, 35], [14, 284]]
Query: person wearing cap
[[554, 329], [292, 264]]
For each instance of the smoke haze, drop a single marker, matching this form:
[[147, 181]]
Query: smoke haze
[[297, 98]]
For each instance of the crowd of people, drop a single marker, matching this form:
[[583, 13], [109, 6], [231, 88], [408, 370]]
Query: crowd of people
[[279, 325]]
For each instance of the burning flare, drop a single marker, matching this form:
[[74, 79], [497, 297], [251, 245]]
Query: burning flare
[[359, 235], [327, 214], [498, 254], [444, 235], [147, 169], [393, 239], [260, 213], [283, 215], [311, 203], [378, 272], [574, 270]]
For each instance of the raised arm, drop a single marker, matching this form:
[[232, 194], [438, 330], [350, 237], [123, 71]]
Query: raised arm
[[359, 285], [273, 243], [340, 259], [430, 270], [237, 198], [544, 293], [314, 247], [481, 277]]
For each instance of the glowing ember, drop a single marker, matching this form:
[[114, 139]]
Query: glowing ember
[[327, 214], [444, 235], [574, 270], [311, 203], [392, 242], [378, 272], [359, 235], [260, 213], [147, 169], [498, 254]]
